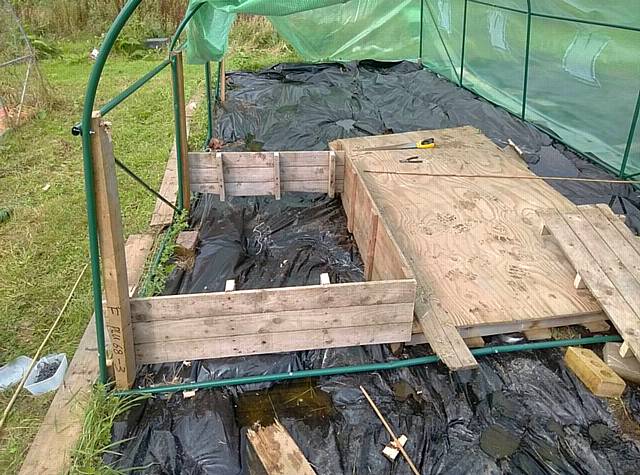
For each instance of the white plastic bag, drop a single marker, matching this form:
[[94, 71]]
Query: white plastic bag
[[13, 372]]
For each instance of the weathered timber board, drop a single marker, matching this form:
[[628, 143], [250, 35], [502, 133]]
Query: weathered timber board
[[50, 451], [221, 324], [608, 264], [473, 243], [252, 173]]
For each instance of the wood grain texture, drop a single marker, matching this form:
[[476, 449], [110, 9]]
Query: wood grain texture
[[272, 451], [594, 373], [473, 243], [606, 262], [116, 309], [50, 451]]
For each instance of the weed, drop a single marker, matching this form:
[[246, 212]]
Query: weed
[[102, 409]]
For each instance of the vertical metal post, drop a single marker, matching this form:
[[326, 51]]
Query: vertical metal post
[[207, 80], [632, 133], [526, 61], [182, 147], [464, 40], [421, 23]]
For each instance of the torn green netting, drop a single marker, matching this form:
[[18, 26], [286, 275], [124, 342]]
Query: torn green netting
[[320, 30]]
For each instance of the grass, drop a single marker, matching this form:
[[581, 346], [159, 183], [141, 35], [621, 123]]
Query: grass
[[44, 240]]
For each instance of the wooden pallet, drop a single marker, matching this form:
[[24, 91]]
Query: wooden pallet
[[470, 234], [606, 258]]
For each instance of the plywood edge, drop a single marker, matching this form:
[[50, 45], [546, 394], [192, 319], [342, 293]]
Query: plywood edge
[[51, 449]]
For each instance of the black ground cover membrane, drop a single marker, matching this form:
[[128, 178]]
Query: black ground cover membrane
[[519, 413]]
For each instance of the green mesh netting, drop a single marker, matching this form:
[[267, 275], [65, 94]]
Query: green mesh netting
[[574, 64], [332, 30]]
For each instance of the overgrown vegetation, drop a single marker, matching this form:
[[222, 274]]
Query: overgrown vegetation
[[44, 243], [102, 409], [78, 18]]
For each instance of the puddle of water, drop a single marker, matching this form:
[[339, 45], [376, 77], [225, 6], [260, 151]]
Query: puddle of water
[[301, 400]]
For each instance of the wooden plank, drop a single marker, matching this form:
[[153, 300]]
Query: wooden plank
[[260, 324], [162, 214], [220, 347], [222, 186], [594, 373], [371, 246], [538, 334], [277, 192], [179, 307], [51, 449], [472, 242], [186, 244], [223, 81], [136, 250], [620, 226], [182, 129], [272, 451], [613, 303], [265, 159], [331, 186], [114, 266]]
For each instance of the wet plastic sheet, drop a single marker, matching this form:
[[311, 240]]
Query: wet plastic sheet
[[519, 413], [304, 107]]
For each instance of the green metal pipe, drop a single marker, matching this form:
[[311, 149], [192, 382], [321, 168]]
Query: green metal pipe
[[444, 45], [109, 106], [464, 41], [183, 24], [207, 81], [526, 62], [366, 368], [556, 17], [632, 133], [94, 251], [177, 114]]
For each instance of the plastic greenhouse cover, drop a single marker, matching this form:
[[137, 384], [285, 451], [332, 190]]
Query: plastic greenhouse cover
[[336, 30], [521, 413]]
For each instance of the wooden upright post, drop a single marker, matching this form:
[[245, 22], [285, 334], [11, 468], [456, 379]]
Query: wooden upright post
[[223, 82], [117, 310], [182, 147]]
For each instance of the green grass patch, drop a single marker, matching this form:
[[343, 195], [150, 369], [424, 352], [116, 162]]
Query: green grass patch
[[44, 242]]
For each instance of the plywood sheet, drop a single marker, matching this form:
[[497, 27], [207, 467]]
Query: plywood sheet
[[473, 242]]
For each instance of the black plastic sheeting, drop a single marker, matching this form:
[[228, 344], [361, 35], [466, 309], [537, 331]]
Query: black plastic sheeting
[[519, 413], [304, 107]]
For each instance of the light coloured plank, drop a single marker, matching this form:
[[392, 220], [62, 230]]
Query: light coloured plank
[[593, 372], [272, 451], [265, 159], [277, 191], [619, 240], [179, 307], [219, 347], [51, 449], [259, 324], [222, 186], [136, 251], [331, 191], [112, 251], [163, 214], [620, 226], [538, 334], [614, 305], [371, 246]]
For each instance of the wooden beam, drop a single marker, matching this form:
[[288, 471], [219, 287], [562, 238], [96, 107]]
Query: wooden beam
[[182, 131], [272, 451], [223, 81], [163, 214], [331, 191], [371, 246], [50, 451], [114, 267], [221, 184], [594, 373], [277, 192]]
